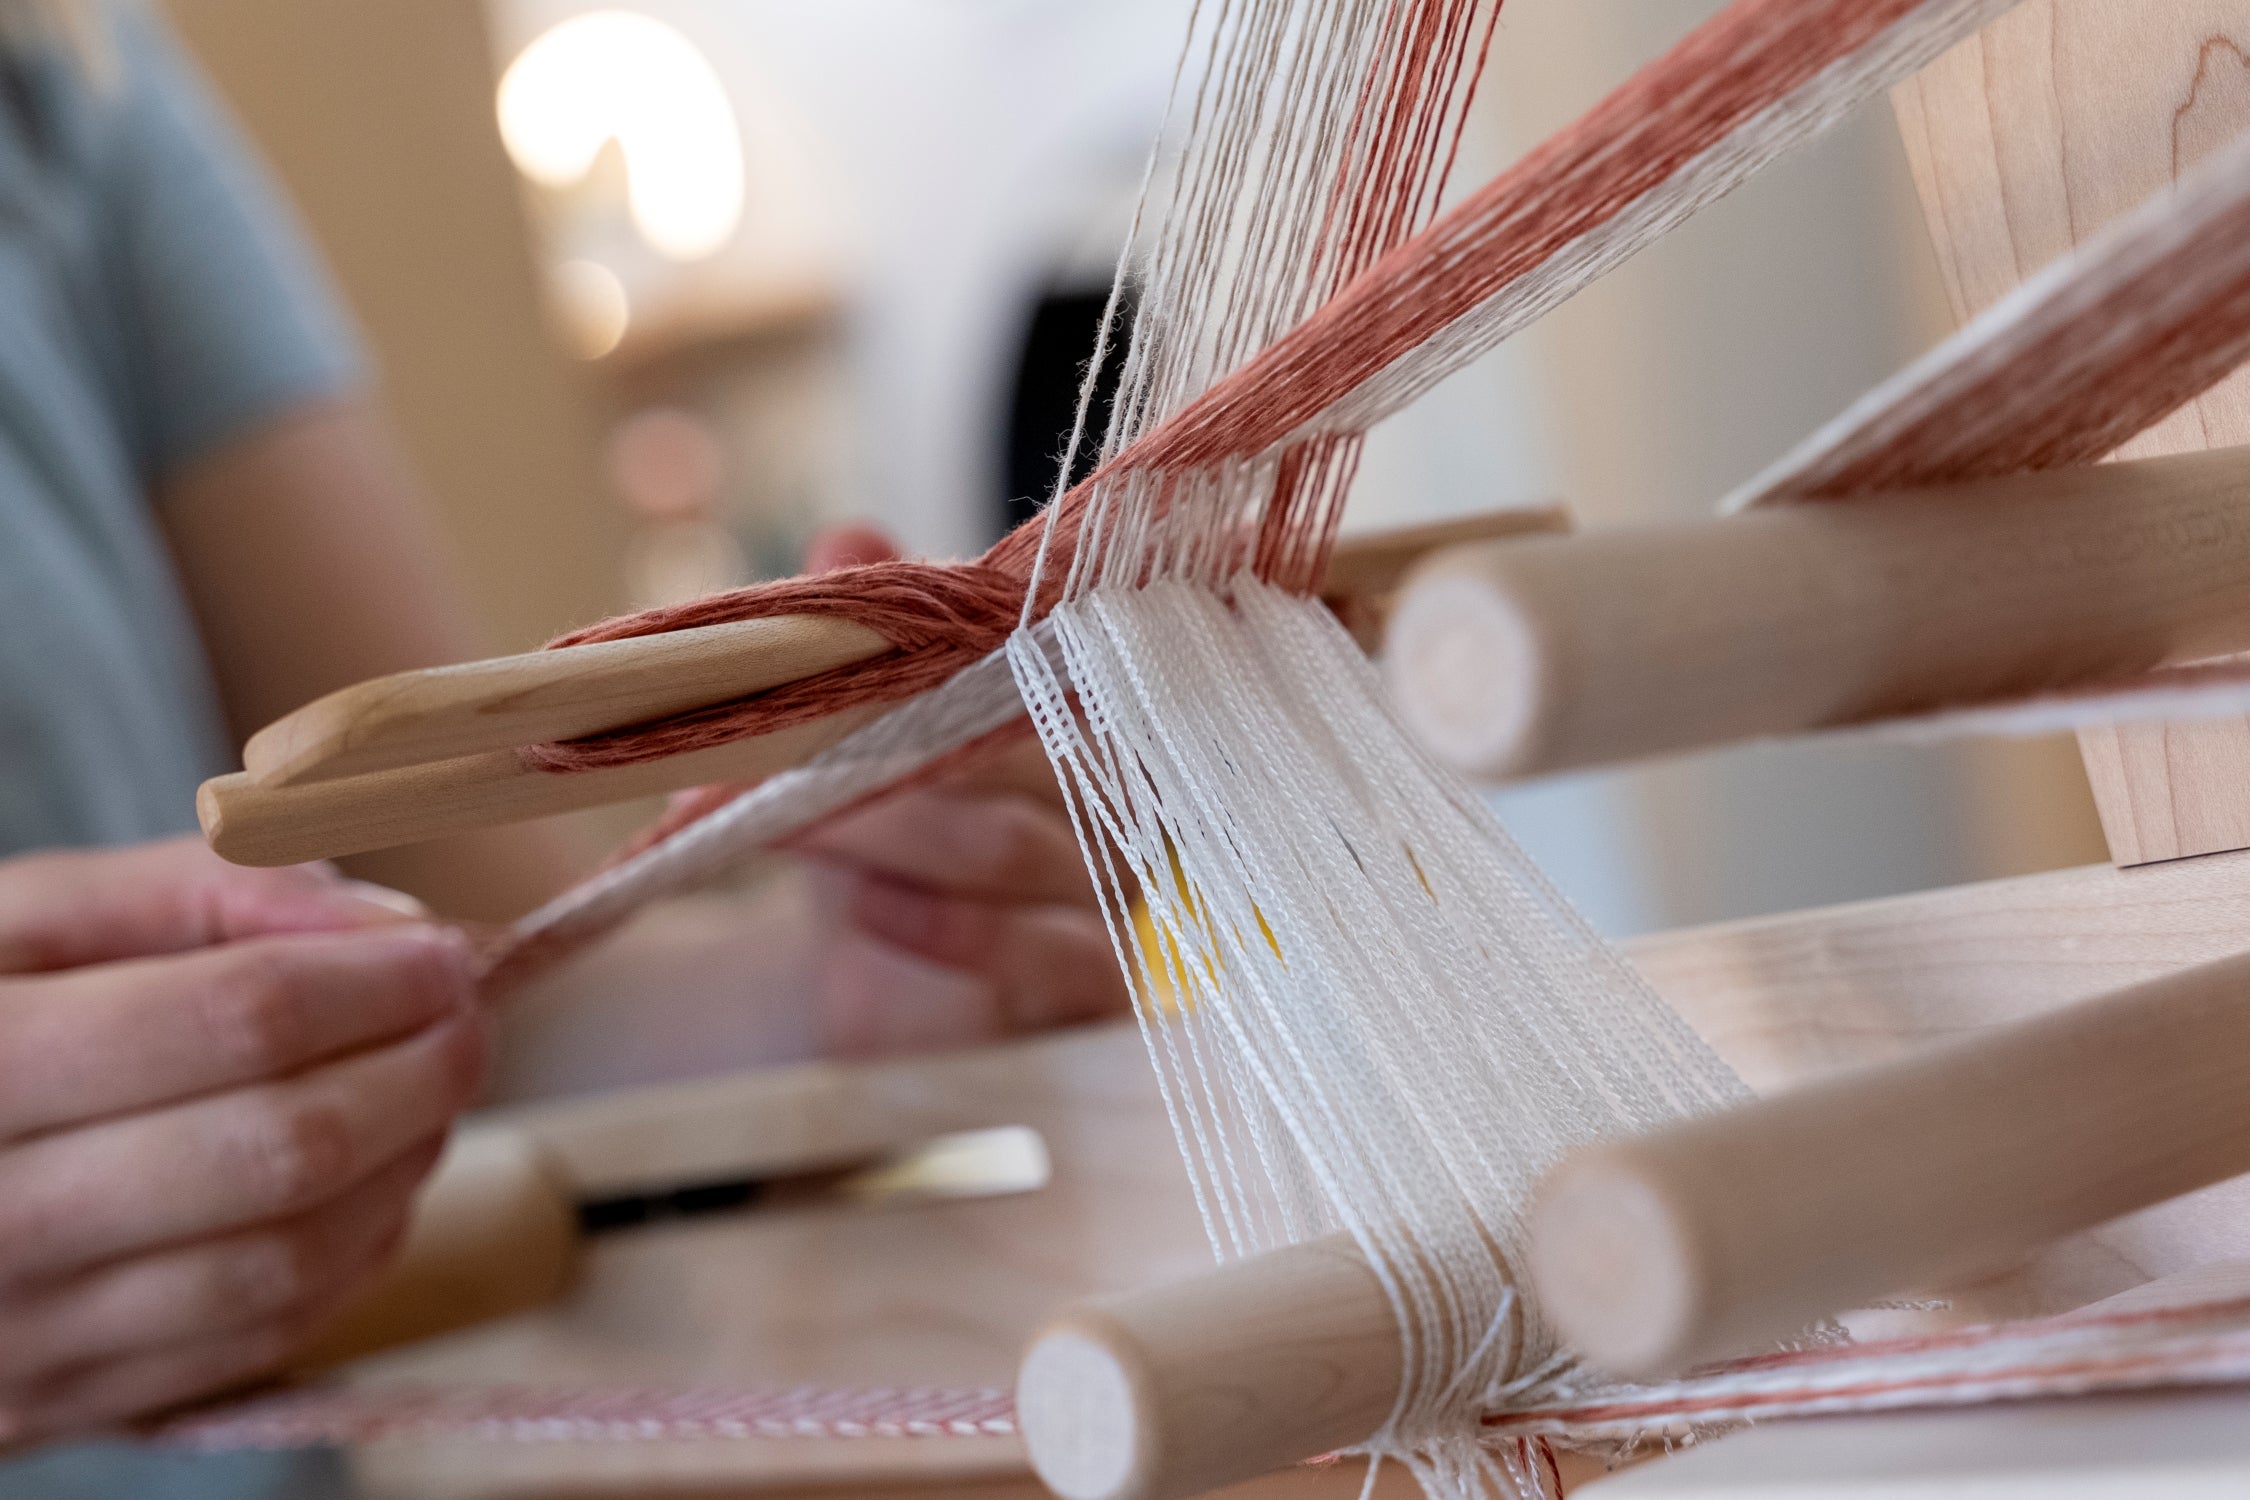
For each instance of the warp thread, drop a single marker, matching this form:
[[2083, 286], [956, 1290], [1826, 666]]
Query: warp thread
[[934, 616], [2180, 1345], [1754, 80], [2093, 348], [327, 1415]]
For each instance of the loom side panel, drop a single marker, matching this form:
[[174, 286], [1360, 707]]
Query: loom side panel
[[2023, 140]]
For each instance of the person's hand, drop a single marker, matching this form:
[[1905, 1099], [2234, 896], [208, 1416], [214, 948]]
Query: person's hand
[[218, 1090], [939, 917], [955, 913]]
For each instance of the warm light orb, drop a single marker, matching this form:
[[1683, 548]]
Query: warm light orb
[[594, 307], [616, 75]]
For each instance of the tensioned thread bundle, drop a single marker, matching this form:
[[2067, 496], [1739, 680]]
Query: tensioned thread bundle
[[1366, 1010], [1344, 321], [2189, 1344], [2146, 315]]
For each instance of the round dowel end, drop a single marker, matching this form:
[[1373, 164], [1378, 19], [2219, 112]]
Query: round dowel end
[[1615, 1266], [1463, 666], [1080, 1399], [211, 815], [1180, 1390]]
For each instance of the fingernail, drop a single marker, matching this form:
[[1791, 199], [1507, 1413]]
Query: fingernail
[[447, 944], [426, 934], [391, 900]]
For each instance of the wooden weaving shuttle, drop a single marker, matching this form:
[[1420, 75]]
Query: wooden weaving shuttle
[[501, 1227], [252, 824], [411, 717], [417, 755]]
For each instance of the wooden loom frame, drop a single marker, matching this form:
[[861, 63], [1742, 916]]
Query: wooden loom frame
[[2017, 152], [1784, 998], [2024, 140]]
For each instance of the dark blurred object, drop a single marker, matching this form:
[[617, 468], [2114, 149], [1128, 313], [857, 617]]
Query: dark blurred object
[[1058, 342]]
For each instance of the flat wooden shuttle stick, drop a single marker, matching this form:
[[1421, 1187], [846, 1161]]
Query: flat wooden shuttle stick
[[1716, 1237], [500, 1227], [252, 824], [437, 714], [1572, 651], [420, 754]]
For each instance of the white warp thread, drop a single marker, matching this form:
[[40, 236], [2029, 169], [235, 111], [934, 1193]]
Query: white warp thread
[[1368, 1010]]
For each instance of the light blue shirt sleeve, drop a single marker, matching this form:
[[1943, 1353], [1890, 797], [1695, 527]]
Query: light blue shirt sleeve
[[157, 300], [234, 321]]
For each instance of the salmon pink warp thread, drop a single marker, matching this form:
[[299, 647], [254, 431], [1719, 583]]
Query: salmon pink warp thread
[[937, 617], [1365, 350]]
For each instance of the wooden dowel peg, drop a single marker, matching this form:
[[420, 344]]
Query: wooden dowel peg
[[444, 712], [1552, 653], [1365, 570], [1724, 1234], [501, 1226], [251, 823], [1163, 1394]]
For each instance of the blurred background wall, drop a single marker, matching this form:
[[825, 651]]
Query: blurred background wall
[[657, 290], [1683, 375], [377, 114]]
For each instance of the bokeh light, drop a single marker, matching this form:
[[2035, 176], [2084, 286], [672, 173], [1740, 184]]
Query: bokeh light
[[593, 304], [617, 75]]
